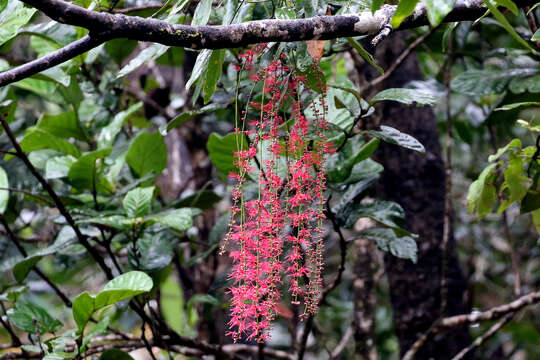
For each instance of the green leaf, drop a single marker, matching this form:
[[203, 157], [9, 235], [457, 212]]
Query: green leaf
[[108, 133], [153, 252], [137, 201], [4, 193], [115, 354], [406, 96], [147, 153], [365, 55], [12, 18], [515, 143], [3, 5], [353, 191], [507, 26], [385, 212], [86, 172], [23, 267], [39, 139], [404, 9], [119, 49], [178, 219], [202, 13], [221, 150], [402, 247], [213, 73], [519, 85], [13, 293], [484, 82], [514, 181], [517, 105], [394, 136], [58, 167], [509, 4], [202, 199], [185, 116], [438, 9], [536, 36], [115, 221], [64, 125], [341, 164], [150, 53], [32, 318], [120, 288], [481, 196], [376, 5], [201, 64]]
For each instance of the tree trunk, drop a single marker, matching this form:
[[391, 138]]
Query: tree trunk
[[417, 183]]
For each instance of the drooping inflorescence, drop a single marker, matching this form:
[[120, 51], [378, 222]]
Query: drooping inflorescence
[[275, 231]]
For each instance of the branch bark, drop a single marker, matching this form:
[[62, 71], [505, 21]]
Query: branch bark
[[105, 26]]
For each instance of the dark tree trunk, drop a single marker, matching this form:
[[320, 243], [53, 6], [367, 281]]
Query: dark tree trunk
[[417, 183]]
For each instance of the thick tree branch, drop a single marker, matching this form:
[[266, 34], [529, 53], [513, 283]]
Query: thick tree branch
[[105, 26]]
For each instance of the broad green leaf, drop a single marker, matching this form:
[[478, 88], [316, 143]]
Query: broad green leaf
[[438, 9], [150, 53], [172, 305], [58, 166], [3, 5], [23, 268], [536, 36], [13, 293], [365, 55], [83, 308], [4, 193], [406, 96], [153, 252], [404, 9], [340, 165], [394, 136], [137, 202], [185, 116], [64, 125], [38, 139], [363, 169], [202, 199], [120, 49], [515, 143], [514, 181], [402, 247], [60, 34], [12, 18], [54, 75], [517, 105], [201, 64], [376, 5], [484, 82], [178, 219], [32, 318], [108, 133], [202, 12], [481, 195], [536, 219], [492, 6], [353, 191], [221, 151], [115, 354], [385, 212], [147, 153], [123, 287], [509, 4], [213, 73], [120, 288], [86, 172], [115, 221], [519, 85]]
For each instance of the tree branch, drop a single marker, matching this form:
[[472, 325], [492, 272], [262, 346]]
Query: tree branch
[[105, 26]]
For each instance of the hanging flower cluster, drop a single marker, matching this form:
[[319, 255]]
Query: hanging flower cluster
[[275, 231]]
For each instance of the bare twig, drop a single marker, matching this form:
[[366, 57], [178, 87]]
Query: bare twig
[[481, 339]]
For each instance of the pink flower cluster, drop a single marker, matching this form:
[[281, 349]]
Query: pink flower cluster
[[276, 235]]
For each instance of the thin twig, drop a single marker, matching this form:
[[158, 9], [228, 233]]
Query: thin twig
[[481, 339]]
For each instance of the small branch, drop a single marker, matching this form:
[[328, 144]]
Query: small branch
[[48, 61], [400, 59], [467, 319], [481, 339], [342, 343]]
